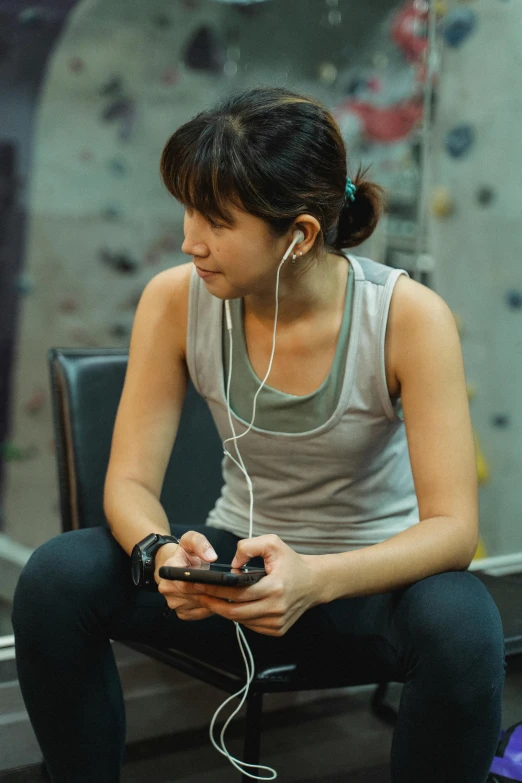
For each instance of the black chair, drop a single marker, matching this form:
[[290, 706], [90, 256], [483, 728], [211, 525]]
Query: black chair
[[86, 385]]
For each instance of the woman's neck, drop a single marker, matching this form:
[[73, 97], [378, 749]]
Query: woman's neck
[[308, 296]]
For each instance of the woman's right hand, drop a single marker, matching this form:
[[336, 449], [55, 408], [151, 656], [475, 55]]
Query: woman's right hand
[[194, 550]]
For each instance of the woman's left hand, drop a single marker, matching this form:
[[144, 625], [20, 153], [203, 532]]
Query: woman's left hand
[[272, 605]]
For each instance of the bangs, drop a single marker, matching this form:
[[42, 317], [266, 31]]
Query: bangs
[[200, 174]]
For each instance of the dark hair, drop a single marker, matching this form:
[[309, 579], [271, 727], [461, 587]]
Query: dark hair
[[275, 154]]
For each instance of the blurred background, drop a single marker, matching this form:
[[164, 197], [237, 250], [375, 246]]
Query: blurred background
[[429, 93]]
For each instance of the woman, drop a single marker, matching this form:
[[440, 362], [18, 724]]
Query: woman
[[361, 458]]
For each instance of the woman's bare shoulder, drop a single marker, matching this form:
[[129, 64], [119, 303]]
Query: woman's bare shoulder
[[175, 282]]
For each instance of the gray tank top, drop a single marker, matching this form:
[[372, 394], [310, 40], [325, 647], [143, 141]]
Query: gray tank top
[[346, 481], [276, 410]]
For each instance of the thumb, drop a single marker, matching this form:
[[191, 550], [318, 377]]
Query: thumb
[[260, 546]]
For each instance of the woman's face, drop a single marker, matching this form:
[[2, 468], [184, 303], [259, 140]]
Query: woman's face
[[243, 259]]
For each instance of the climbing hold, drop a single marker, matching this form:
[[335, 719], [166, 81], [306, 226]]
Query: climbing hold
[[76, 64], [356, 85], [31, 17], [85, 155], [385, 124], [375, 84], [481, 551], [441, 7], [500, 420], [10, 452], [68, 305], [121, 262], [170, 76], [112, 88], [22, 285], [457, 25], [459, 140], [471, 390], [204, 51], [408, 31], [127, 124], [162, 21], [485, 195], [442, 204], [112, 212], [117, 108], [123, 109], [119, 330], [35, 402], [514, 299], [327, 73], [482, 465], [118, 167]]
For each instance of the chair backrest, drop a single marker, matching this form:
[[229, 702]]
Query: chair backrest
[[86, 386]]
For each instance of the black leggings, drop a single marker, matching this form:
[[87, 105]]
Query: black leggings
[[441, 636]]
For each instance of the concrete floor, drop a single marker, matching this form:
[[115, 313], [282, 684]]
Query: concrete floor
[[336, 740]]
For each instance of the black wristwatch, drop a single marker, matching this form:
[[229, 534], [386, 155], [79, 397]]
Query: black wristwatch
[[142, 559]]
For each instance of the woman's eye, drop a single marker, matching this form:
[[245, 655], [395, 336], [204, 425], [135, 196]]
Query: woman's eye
[[215, 225]]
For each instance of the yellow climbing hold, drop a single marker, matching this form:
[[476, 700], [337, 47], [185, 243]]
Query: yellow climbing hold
[[442, 204], [481, 551], [482, 466]]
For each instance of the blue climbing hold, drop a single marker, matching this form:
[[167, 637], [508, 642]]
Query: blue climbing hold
[[457, 25], [118, 167], [459, 140], [112, 212], [501, 420], [23, 286], [514, 299]]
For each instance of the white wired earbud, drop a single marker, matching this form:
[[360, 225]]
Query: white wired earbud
[[298, 236]]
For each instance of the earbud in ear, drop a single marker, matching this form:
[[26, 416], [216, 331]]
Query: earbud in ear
[[299, 236]]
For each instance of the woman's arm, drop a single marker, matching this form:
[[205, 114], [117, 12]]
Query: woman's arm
[[434, 545]]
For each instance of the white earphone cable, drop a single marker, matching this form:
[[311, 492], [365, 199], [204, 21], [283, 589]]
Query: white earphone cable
[[243, 644]]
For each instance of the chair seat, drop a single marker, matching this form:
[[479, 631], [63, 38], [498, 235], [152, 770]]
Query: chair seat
[[268, 679]]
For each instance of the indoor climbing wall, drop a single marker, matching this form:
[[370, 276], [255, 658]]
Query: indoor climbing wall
[[126, 74], [123, 77], [477, 241]]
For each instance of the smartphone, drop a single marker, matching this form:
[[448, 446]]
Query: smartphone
[[214, 574]]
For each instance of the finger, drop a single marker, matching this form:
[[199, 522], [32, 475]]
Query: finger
[[193, 614], [196, 543], [180, 603], [178, 587], [259, 546], [239, 612], [266, 630], [240, 594]]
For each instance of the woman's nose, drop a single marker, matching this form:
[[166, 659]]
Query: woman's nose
[[193, 247]]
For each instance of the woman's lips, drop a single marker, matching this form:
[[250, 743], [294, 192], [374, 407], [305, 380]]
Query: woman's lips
[[205, 272]]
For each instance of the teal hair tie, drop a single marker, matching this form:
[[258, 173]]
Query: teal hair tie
[[349, 191]]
